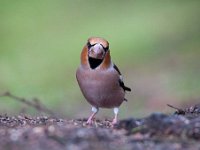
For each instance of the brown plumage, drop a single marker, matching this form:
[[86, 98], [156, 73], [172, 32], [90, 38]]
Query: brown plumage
[[99, 79]]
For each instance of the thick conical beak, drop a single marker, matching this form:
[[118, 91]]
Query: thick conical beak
[[96, 51]]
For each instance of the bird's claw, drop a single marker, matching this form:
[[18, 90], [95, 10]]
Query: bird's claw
[[114, 122], [89, 122]]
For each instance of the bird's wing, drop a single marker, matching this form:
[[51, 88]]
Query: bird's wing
[[121, 83]]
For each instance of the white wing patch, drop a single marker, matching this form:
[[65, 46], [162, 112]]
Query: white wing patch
[[121, 78]]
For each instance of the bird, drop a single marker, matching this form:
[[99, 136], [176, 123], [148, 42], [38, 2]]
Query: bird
[[99, 79]]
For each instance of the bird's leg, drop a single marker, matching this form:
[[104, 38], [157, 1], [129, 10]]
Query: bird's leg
[[90, 119], [116, 111]]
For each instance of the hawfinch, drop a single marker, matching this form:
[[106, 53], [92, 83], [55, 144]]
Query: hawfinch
[[99, 78]]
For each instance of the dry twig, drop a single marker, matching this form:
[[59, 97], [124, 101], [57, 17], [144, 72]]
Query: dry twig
[[35, 103], [178, 110]]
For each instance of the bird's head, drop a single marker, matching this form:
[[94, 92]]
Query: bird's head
[[97, 48], [97, 52]]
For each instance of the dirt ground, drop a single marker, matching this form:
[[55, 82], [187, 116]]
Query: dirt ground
[[179, 131]]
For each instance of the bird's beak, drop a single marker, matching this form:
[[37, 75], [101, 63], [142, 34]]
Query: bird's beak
[[96, 52]]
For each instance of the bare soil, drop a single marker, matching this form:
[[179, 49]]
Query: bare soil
[[179, 131]]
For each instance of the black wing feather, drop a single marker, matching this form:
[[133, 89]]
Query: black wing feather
[[117, 69], [121, 83]]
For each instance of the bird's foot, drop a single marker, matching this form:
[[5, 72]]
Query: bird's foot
[[116, 111], [114, 122], [90, 121], [91, 118]]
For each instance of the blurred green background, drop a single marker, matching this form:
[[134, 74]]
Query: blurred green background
[[156, 45]]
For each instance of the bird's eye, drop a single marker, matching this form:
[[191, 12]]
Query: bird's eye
[[106, 48], [89, 45]]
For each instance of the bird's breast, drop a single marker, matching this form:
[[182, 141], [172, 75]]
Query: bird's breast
[[100, 87]]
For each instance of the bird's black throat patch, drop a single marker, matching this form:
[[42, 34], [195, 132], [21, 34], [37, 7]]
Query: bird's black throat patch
[[94, 62]]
